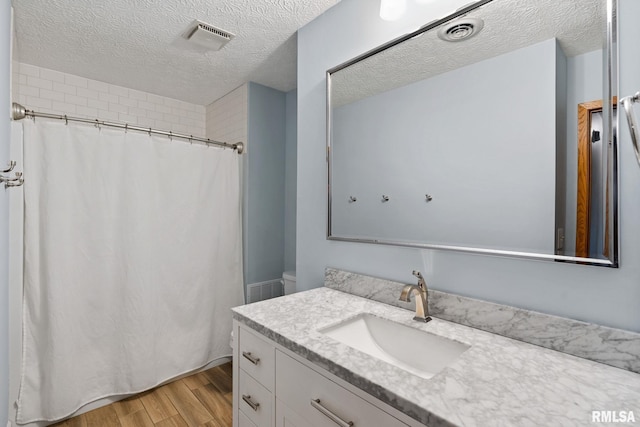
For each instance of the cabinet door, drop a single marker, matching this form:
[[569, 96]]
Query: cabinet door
[[320, 401], [285, 417]]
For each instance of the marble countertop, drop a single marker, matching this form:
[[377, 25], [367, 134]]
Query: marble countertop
[[498, 381]]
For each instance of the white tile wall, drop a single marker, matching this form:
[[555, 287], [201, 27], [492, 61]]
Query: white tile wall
[[50, 91], [227, 117]]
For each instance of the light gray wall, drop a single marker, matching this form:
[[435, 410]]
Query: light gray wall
[[602, 295], [264, 178], [5, 73], [446, 136], [584, 77], [291, 157]]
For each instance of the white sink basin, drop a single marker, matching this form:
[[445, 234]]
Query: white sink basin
[[419, 352]]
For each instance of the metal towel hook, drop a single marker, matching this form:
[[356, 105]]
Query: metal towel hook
[[627, 102], [11, 165], [385, 198], [352, 199], [15, 181]]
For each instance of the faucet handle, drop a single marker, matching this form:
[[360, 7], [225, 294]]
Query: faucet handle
[[421, 282]]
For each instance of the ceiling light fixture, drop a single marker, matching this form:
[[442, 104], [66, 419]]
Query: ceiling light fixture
[[392, 10]]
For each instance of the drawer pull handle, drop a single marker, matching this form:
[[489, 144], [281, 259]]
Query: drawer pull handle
[[333, 417], [248, 401], [250, 358]]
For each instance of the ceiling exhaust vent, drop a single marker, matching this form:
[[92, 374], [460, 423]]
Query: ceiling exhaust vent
[[460, 29], [207, 36]]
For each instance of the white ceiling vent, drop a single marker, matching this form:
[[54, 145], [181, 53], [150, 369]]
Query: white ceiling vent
[[207, 36], [460, 29]]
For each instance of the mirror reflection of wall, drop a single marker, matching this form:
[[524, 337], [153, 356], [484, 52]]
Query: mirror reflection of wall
[[502, 178], [474, 142]]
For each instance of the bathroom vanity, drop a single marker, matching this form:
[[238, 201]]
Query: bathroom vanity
[[292, 369], [277, 387]]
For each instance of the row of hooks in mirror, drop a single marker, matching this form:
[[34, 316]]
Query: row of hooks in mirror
[[11, 181], [385, 198]]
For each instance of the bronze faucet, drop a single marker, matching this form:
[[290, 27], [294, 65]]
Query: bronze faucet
[[422, 302]]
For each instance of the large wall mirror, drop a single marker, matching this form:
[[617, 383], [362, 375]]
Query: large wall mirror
[[492, 130]]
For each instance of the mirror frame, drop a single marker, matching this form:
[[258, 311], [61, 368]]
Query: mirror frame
[[610, 92]]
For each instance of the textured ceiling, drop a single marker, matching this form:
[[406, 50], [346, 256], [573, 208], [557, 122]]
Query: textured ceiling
[[135, 43], [508, 25]]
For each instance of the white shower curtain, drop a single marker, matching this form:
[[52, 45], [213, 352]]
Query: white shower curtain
[[133, 259]]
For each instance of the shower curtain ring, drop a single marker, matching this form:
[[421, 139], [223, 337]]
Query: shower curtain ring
[[191, 139], [66, 120], [170, 136], [97, 124], [149, 131], [126, 126]]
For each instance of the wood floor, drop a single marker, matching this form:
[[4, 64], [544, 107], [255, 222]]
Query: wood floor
[[202, 399]]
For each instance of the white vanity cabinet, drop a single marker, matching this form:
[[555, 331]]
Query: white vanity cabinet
[[253, 379], [274, 387], [321, 401]]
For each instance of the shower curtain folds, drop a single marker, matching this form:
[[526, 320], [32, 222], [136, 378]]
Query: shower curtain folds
[[133, 259]]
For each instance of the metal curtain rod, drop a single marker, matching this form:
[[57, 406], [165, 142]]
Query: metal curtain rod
[[19, 112]]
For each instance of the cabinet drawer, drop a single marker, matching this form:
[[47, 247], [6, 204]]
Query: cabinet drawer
[[254, 400], [318, 399], [257, 357]]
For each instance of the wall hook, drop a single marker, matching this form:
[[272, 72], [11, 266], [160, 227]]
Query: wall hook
[[385, 198], [428, 197], [16, 181], [11, 165], [352, 199]]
